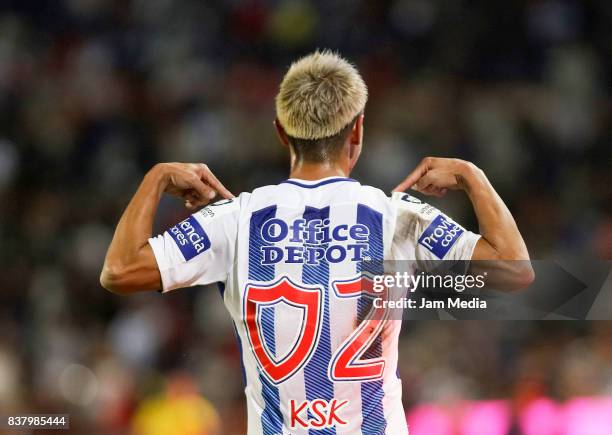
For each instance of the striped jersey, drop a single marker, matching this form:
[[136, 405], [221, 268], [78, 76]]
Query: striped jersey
[[317, 357]]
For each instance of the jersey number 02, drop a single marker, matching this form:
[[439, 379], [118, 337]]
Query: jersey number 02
[[346, 364]]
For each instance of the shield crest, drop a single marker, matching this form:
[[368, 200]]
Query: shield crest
[[258, 300]]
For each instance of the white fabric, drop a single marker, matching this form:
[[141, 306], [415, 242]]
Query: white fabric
[[219, 246]]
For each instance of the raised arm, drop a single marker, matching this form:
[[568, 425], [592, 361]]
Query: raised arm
[[130, 265], [501, 240]]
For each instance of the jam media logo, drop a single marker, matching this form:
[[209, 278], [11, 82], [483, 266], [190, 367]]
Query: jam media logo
[[190, 237], [313, 241], [440, 236]]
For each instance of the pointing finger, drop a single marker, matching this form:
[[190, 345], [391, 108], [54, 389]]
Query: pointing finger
[[201, 190], [414, 176], [210, 178], [425, 182]]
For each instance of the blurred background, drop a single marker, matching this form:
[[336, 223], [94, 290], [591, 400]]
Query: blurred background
[[94, 92]]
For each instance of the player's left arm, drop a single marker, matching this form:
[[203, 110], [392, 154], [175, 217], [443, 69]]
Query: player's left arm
[[501, 240], [130, 263]]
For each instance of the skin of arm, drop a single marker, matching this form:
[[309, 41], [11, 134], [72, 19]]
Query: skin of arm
[[130, 264], [501, 244]]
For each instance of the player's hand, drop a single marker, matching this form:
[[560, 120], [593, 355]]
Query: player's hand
[[435, 176], [193, 182]]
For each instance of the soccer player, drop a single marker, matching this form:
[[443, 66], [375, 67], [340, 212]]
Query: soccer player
[[287, 257]]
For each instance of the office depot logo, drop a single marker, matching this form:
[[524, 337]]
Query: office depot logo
[[313, 241]]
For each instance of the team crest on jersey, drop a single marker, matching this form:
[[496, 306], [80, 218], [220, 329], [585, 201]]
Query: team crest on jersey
[[310, 242], [260, 297]]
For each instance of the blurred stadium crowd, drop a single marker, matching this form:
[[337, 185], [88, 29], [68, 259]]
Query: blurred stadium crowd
[[94, 92]]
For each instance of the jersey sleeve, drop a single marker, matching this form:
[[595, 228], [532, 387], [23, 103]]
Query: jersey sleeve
[[199, 250], [423, 233]]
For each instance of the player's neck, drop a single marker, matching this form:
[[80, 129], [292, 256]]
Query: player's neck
[[317, 171]]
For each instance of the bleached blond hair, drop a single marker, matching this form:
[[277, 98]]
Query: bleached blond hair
[[319, 96]]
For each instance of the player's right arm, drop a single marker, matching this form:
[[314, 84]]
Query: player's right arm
[[130, 263], [501, 244]]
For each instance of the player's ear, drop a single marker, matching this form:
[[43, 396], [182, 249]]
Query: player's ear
[[354, 144], [356, 136], [280, 132]]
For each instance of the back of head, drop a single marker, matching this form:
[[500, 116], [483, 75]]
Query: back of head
[[319, 99]]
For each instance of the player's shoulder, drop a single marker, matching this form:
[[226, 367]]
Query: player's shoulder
[[371, 191], [406, 201], [247, 202], [221, 208], [409, 205]]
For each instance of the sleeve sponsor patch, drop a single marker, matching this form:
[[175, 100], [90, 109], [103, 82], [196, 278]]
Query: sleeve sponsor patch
[[440, 236], [190, 237]]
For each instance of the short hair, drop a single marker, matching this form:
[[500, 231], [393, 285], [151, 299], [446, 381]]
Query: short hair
[[320, 96], [321, 150]]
